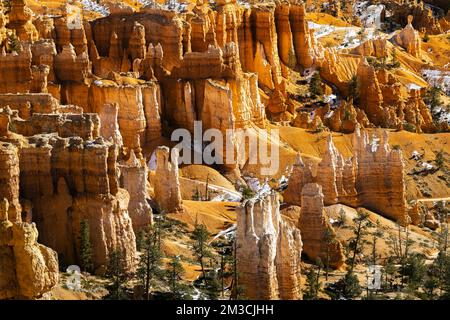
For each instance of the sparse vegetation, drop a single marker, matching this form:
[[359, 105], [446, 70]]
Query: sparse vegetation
[[174, 274], [247, 193], [13, 43], [200, 247], [312, 285], [85, 247], [440, 159], [353, 90], [409, 127], [315, 85], [118, 274], [150, 260]]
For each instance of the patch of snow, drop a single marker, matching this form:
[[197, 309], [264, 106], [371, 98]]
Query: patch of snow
[[375, 144], [353, 39], [89, 5], [330, 98], [438, 78], [321, 30], [416, 155], [227, 233], [152, 162], [197, 294], [413, 86], [329, 114], [260, 190], [253, 184], [427, 166], [370, 15], [174, 5]]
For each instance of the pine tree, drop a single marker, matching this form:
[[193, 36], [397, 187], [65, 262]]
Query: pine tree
[[150, 260], [375, 236], [117, 273], [214, 284], [430, 285], [440, 160], [174, 273], [140, 238], [394, 63], [313, 285], [345, 288], [200, 247], [85, 247], [414, 269], [361, 222], [329, 241], [247, 193], [390, 271], [197, 196], [6, 6], [353, 91], [13, 43], [433, 99], [315, 86]]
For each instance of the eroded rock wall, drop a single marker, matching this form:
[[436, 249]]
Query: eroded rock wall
[[268, 251]]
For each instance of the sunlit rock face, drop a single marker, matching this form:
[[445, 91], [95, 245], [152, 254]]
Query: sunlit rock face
[[268, 251], [27, 268], [319, 238], [167, 185], [53, 171], [373, 177]]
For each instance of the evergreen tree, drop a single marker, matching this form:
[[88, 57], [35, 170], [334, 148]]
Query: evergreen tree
[[329, 241], [440, 160], [313, 285], [390, 272], [433, 99], [85, 247], [6, 6], [174, 273], [200, 247], [430, 285], [394, 63], [214, 284], [375, 236], [140, 239], [345, 288], [445, 265], [353, 91], [118, 274], [315, 85], [13, 43], [150, 260], [361, 224], [197, 196], [247, 193], [415, 270]]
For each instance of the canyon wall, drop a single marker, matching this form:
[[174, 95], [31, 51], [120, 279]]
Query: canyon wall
[[373, 177]]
